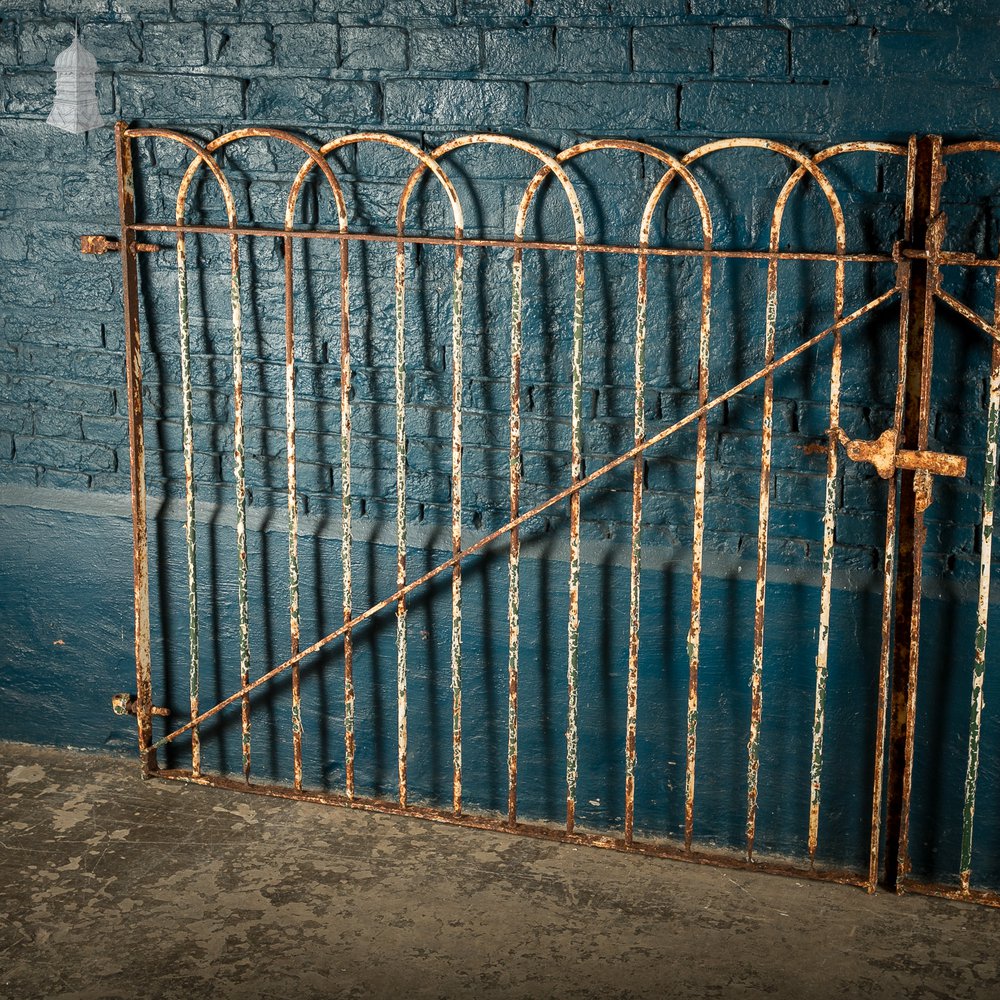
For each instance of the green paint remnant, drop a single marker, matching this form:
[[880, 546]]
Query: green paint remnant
[[982, 612], [400, 379], [189, 496]]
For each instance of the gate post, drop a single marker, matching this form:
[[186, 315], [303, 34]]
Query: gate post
[[137, 454], [925, 177]]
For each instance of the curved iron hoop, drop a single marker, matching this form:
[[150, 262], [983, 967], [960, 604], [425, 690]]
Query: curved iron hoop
[[487, 138], [425, 160], [202, 155]]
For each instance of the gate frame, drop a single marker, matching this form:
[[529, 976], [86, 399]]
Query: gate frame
[[918, 258]]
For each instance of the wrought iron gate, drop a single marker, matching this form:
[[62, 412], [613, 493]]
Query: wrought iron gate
[[900, 454]]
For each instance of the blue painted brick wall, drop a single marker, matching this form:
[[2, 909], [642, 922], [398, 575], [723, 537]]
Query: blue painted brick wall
[[674, 72]]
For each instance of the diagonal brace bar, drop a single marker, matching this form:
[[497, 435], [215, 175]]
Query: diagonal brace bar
[[576, 487]]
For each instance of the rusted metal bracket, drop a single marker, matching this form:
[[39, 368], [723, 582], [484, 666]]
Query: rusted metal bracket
[[966, 259], [108, 244], [127, 704], [885, 454]]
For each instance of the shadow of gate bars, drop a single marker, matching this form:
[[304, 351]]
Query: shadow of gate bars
[[900, 454]]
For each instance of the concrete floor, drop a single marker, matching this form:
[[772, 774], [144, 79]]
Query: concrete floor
[[114, 887]]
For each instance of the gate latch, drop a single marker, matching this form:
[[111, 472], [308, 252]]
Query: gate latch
[[886, 456], [126, 704], [107, 244]]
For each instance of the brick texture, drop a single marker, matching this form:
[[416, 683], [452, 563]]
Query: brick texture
[[554, 71]]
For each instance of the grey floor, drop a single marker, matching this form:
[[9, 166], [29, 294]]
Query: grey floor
[[114, 887]]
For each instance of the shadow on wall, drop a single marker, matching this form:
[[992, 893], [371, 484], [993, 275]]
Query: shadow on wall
[[741, 187]]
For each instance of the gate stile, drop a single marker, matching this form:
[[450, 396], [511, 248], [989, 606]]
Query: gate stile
[[917, 259]]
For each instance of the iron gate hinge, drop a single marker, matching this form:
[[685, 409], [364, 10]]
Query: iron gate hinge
[[885, 455], [127, 704], [108, 244]]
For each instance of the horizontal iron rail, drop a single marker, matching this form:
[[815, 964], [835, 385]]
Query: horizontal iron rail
[[499, 823], [984, 897], [575, 488], [451, 241], [944, 258]]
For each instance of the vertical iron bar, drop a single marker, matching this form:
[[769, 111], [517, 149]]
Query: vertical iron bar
[[241, 495], [756, 679], [697, 545], [919, 335], [293, 512], [187, 416], [488, 539], [983, 604], [137, 454], [903, 282], [635, 564], [456, 529], [346, 545], [826, 589], [514, 559], [400, 287], [573, 659]]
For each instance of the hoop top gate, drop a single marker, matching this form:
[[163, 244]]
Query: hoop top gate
[[900, 454]]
